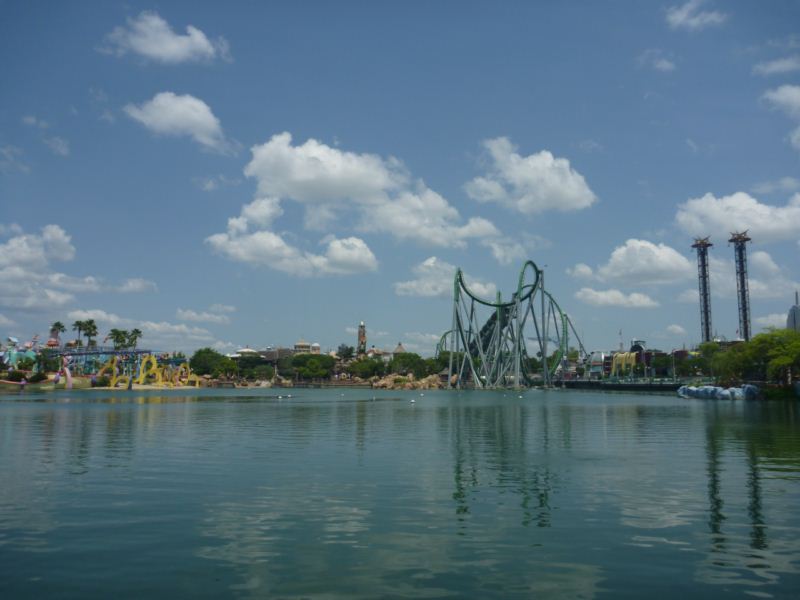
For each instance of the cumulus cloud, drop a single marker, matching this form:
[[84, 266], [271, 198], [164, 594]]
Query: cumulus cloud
[[137, 285], [778, 66], [787, 99], [690, 17], [676, 330], [739, 212], [27, 280], [529, 184], [784, 184], [157, 335], [639, 262], [657, 60], [506, 251], [152, 38], [776, 320], [377, 194], [342, 257], [201, 316], [35, 251], [614, 298], [434, 277], [170, 114]]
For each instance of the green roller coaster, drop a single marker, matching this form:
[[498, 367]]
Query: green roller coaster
[[487, 342]]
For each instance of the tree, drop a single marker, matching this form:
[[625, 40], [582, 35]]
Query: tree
[[206, 361], [90, 331], [345, 352], [313, 366], [119, 338], [78, 326], [133, 338], [56, 329], [404, 363], [366, 368]]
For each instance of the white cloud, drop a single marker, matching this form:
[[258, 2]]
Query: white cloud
[[137, 285], [643, 262], [655, 59], [100, 316], [342, 257], [157, 335], [776, 320], [27, 281], [691, 296], [57, 145], [506, 251], [201, 316], [615, 298], [787, 99], [170, 114], [581, 271], [35, 251], [639, 262], [211, 184], [434, 277], [676, 330], [787, 64], [9, 160], [328, 181], [530, 184], [10, 229], [689, 16], [784, 184], [222, 308], [5, 321], [151, 37], [737, 212], [766, 280]]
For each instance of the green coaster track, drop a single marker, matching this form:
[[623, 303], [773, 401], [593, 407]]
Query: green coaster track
[[487, 342]]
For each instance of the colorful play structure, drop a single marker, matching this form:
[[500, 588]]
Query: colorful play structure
[[146, 369], [85, 367]]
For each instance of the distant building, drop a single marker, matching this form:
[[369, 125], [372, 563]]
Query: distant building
[[315, 348], [361, 346], [400, 349], [793, 318], [302, 347]]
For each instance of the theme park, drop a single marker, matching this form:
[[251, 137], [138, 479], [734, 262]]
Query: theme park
[[525, 341]]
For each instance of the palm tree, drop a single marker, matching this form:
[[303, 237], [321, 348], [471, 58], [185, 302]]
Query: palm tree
[[57, 328], [79, 327], [90, 331], [119, 337], [133, 337]]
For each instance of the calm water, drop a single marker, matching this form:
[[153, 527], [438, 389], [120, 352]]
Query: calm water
[[482, 494]]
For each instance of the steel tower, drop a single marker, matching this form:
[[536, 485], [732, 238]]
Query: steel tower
[[702, 245], [739, 241]]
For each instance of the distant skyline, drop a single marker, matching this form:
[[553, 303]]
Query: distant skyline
[[253, 174]]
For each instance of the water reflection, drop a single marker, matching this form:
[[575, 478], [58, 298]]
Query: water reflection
[[466, 494]]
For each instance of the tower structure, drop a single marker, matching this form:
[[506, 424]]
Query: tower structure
[[739, 241], [702, 245], [362, 339]]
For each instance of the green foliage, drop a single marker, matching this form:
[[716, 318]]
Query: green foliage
[[366, 368], [263, 372], [226, 366], [345, 352], [102, 381], [404, 363], [313, 366], [285, 368], [37, 377], [119, 338], [90, 331], [25, 364], [770, 356], [206, 361], [16, 376]]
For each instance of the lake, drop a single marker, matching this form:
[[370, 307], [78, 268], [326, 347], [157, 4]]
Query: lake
[[364, 494]]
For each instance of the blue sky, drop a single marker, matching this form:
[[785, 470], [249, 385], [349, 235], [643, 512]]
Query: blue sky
[[256, 173]]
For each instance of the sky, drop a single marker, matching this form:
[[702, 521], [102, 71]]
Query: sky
[[254, 173]]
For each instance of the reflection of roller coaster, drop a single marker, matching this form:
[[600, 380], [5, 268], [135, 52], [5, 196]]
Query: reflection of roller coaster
[[491, 352]]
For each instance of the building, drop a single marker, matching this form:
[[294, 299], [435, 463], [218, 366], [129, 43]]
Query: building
[[302, 347], [793, 318], [399, 349]]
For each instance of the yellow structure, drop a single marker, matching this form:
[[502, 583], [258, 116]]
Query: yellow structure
[[150, 372], [623, 363]]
